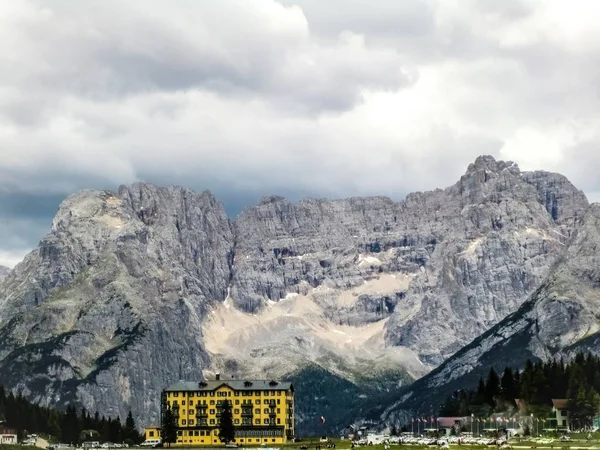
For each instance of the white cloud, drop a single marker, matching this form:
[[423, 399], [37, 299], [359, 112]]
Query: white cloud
[[11, 259], [333, 98]]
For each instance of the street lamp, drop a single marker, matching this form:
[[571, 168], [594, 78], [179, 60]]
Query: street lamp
[[472, 415]]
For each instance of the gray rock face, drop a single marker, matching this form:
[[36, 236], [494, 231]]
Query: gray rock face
[[475, 251], [560, 318], [107, 310], [4, 271], [117, 300]]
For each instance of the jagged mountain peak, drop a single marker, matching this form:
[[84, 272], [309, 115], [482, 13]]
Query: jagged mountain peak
[[559, 319], [134, 289], [489, 163]]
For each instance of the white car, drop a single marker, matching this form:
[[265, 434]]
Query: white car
[[151, 443]]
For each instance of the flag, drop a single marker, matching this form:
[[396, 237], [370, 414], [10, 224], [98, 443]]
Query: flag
[[322, 419], [418, 419], [412, 420], [514, 420]]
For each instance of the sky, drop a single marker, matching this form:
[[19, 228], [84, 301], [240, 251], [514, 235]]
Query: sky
[[315, 98]]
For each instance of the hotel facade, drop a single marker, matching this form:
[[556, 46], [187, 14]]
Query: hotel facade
[[262, 410]]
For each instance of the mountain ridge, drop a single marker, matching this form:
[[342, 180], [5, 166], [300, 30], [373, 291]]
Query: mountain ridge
[[559, 319], [125, 293]]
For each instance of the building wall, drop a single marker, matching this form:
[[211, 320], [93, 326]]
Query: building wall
[[152, 433], [562, 418], [261, 416], [8, 438]]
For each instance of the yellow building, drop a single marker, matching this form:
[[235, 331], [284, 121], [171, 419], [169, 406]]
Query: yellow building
[[262, 410]]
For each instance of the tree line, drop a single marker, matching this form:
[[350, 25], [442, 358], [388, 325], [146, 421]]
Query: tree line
[[69, 425], [535, 386]]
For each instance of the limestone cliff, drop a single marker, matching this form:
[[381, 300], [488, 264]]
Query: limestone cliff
[[133, 290], [560, 318]]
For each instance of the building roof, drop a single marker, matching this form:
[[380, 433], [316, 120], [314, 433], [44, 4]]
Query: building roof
[[560, 403], [447, 422], [236, 385]]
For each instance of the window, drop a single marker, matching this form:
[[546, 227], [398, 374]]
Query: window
[[257, 411], [278, 401], [212, 411], [278, 421], [212, 394], [191, 422], [563, 412], [191, 411], [236, 421], [266, 410], [257, 402], [236, 411], [183, 402], [212, 402], [151, 433], [212, 421], [266, 401], [257, 393], [237, 402], [257, 421], [191, 403], [266, 421], [183, 422], [278, 410], [196, 433], [176, 394]]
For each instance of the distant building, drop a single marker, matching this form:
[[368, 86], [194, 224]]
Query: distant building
[[8, 435], [560, 408], [447, 424], [262, 410]]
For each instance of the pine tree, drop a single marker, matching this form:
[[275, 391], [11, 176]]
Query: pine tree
[[226, 428], [130, 435], [114, 430], [169, 426], [492, 387], [507, 385]]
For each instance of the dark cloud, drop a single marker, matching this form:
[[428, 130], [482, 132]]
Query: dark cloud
[[297, 98]]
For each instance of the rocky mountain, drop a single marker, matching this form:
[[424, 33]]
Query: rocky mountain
[[561, 318], [135, 289], [4, 271]]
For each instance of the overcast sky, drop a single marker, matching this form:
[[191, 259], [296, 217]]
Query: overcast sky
[[300, 98]]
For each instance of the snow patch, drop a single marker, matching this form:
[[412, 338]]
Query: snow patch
[[473, 246], [366, 260]]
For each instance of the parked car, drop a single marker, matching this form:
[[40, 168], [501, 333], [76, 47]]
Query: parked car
[[154, 443]]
